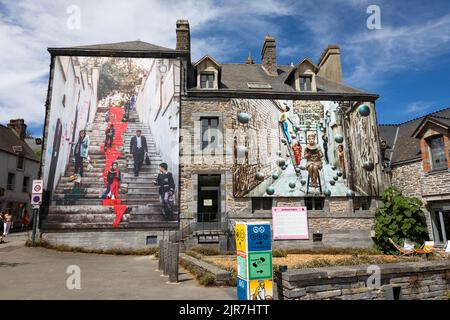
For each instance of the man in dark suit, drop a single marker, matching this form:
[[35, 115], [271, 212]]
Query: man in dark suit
[[138, 148]]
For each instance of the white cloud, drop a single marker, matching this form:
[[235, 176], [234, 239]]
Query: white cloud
[[418, 107]]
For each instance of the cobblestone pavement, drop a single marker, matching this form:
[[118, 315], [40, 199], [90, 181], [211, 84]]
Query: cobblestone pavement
[[36, 273]]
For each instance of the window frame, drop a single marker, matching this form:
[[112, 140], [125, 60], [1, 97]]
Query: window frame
[[20, 159], [444, 165], [212, 145], [302, 77], [28, 179], [207, 81], [261, 204], [11, 186]]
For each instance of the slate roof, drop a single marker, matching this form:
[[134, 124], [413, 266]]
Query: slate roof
[[129, 48], [8, 139], [406, 146], [235, 77]]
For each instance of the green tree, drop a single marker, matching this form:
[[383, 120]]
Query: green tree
[[400, 218], [111, 77]]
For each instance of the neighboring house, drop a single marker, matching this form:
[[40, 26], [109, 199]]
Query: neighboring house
[[20, 167], [419, 155]]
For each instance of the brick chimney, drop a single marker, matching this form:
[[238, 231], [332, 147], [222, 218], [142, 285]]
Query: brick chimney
[[330, 64], [269, 56], [19, 127], [183, 35]]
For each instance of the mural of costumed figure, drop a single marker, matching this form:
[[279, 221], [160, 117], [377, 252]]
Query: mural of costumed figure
[[313, 155], [113, 182], [341, 157], [297, 150], [285, 124]]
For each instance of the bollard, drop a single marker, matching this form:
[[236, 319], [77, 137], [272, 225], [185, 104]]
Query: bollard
[[166, 246], [173, 262], [161, 256]]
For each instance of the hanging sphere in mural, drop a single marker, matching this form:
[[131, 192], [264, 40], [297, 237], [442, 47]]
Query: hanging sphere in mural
[[292, 185], [293, 136], [259, 176], [284, 167], [302, 168], [350, 193], [335, 178], [364, 110], [281, 162], [283, 141], [244, 117], [333, 168], [275, 176], [327, 192], [303, 182], [332, 182], [298, 170], [279, 153], [338, 138], [339, 174], [270, 190], [368, 165], [287, 155]]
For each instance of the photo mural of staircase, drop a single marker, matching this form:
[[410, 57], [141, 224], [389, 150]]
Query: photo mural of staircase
[[138, 205]]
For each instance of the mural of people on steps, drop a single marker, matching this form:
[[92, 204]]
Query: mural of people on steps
[[138, 148]]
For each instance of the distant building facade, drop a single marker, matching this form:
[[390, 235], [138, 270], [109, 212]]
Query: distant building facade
[[418, 155], [20, 166]]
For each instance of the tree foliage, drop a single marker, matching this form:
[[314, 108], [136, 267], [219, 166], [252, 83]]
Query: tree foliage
[[111, 77], [400, 218]]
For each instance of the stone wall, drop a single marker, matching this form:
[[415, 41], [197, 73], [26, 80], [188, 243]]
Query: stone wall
[[403, 281], [105, 239]]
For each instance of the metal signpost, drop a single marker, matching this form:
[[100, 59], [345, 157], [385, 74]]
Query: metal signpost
[[36, 200], [254, 258]]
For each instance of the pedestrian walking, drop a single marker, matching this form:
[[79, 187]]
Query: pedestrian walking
[[166, 189], [138, 148]]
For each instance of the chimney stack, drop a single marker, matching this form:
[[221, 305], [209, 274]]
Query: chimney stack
[[330, 64], [183, 35], [19, 127], [249, 59], [269, 56]]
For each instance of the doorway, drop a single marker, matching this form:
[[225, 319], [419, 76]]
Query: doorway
[[440, 219], [208, 204]]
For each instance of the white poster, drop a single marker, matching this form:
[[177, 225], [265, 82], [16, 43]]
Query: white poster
[[290, 223]]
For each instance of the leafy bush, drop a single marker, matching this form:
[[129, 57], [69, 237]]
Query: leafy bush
[[279, 253], [400, 218]]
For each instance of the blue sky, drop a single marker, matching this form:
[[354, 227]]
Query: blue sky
[[407, 61]]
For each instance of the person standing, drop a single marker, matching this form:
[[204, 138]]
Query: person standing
[[284, 118], [7, 223], [80, 151], [109, 136], [25, 221], [138, 148], [166, 188], [325, 147], [113, 173]]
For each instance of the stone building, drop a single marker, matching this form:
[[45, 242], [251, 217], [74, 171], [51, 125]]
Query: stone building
[[225, 165], [210, 198], [20, 166], [417, 153]]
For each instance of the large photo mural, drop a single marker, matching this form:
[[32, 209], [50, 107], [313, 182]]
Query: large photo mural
[[286, 148], [111, 143]]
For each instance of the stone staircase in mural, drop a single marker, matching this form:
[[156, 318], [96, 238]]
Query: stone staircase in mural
[[82, 208]]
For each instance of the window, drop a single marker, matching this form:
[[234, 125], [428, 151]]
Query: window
[[361, 203], [265, 203], [313, 203], [26, 184], [305, 83], [11, 181], [207, 81], [437, 150], [20, 163], [210, 127]]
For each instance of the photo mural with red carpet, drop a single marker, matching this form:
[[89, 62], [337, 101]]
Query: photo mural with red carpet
[[110, 147]]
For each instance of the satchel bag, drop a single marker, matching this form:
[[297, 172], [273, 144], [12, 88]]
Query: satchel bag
[[147, 159]]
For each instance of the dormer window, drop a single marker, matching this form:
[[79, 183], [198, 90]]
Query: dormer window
[[207, 80], [305, 83], [208, 73], [437, 153]]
